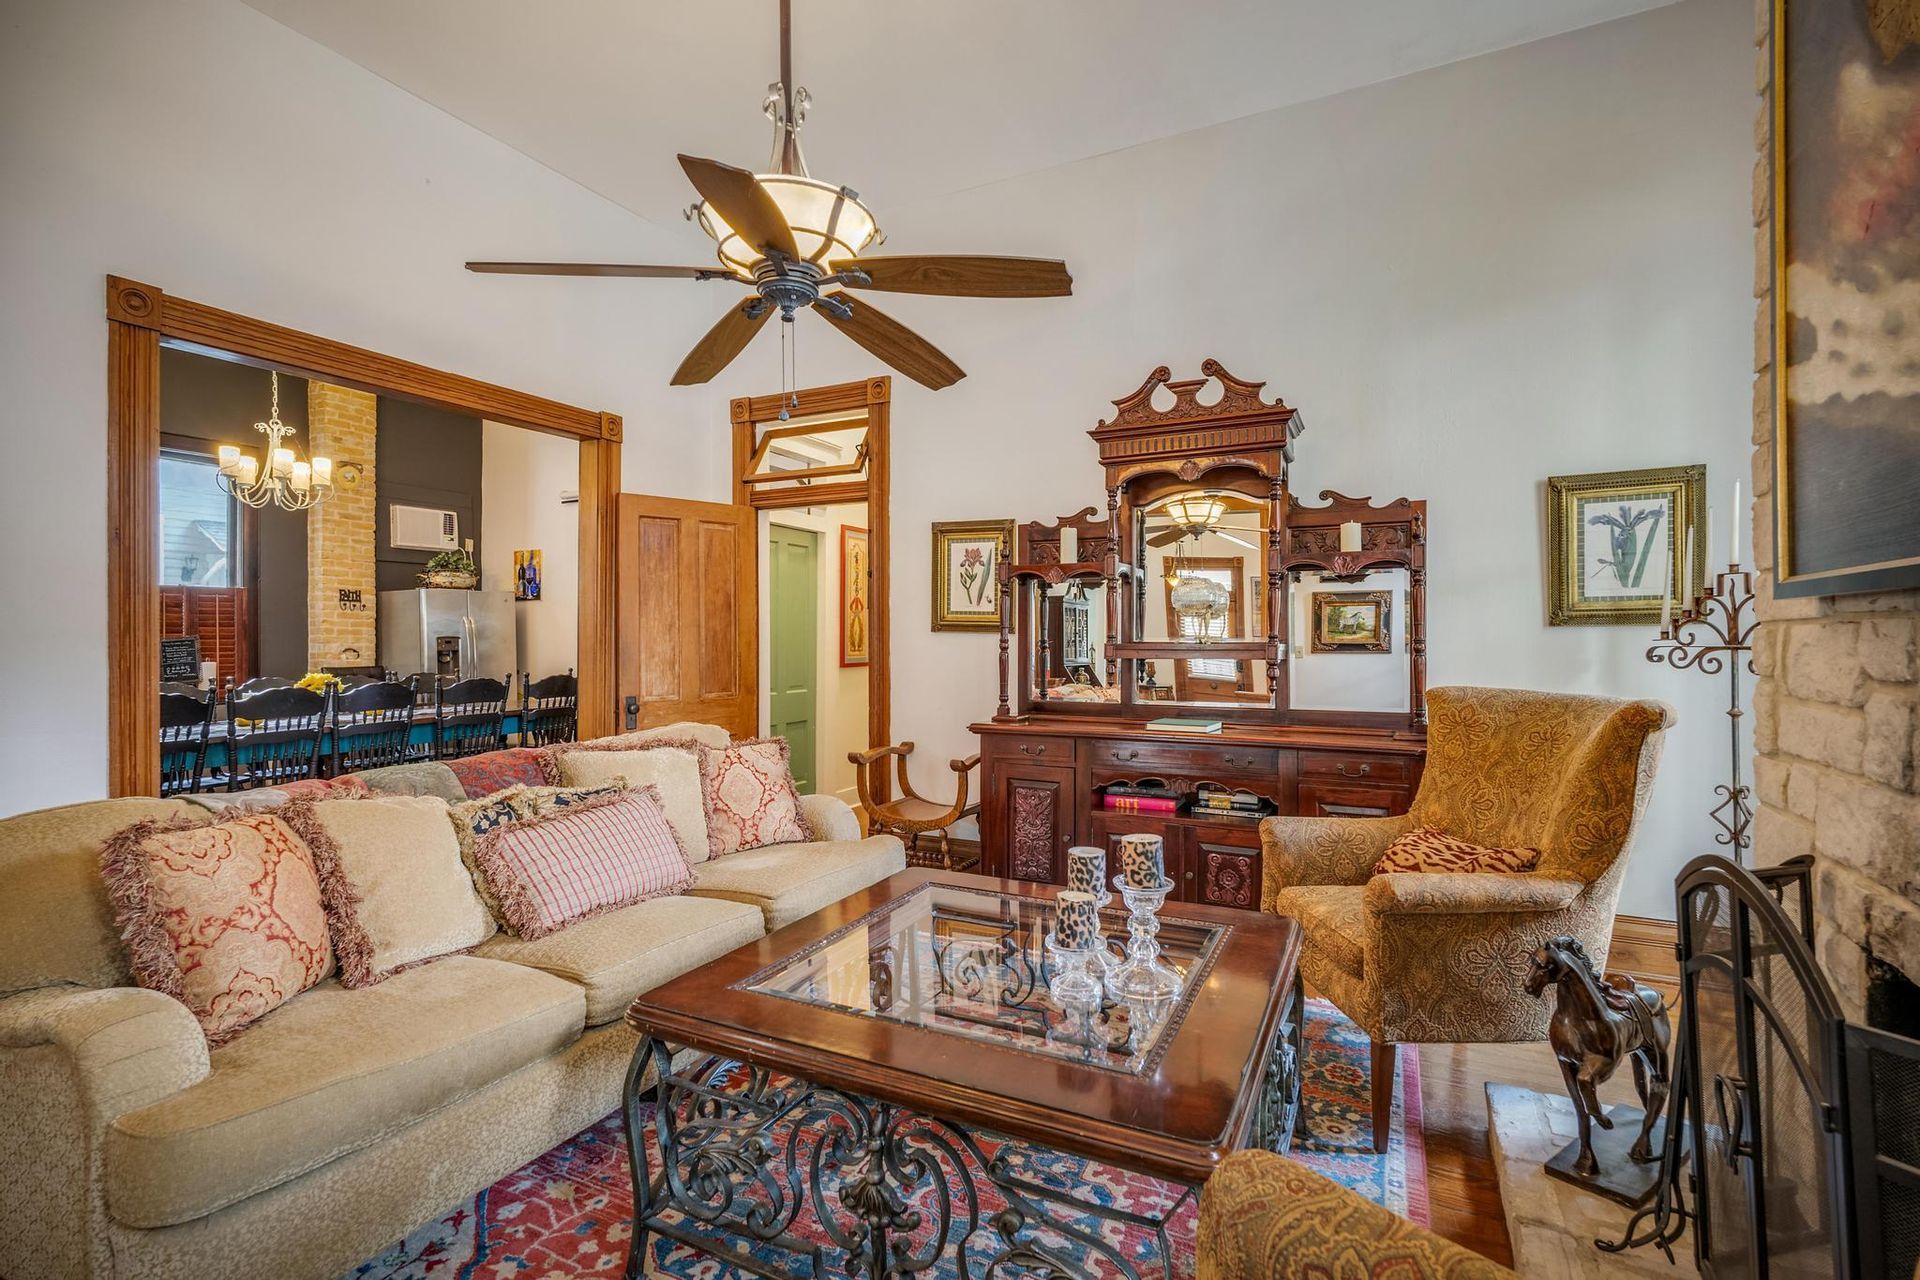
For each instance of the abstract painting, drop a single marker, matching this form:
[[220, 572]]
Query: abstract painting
[[1846, 275]]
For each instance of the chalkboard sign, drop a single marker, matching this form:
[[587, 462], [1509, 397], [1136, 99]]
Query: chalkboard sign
[[180, 658]]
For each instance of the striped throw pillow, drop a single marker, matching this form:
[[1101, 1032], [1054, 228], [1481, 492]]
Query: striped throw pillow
[[570, 863], [1431, 849]]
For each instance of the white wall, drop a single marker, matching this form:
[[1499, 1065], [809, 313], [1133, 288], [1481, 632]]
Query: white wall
[[204, 148], [522, 475], [840, 693], [1531, 263]]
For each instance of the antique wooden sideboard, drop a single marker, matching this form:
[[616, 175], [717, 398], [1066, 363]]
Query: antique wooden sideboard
[[1309, 648]]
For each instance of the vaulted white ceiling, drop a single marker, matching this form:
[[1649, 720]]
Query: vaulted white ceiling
[[913, 99]]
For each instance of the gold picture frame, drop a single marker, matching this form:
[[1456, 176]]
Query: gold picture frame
[[1352, 622], [1615, 541], [967, 555]]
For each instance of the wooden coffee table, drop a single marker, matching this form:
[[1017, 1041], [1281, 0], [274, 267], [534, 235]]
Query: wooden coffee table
[[879, 1038]]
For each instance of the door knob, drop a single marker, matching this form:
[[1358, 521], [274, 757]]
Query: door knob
[[633, 712]]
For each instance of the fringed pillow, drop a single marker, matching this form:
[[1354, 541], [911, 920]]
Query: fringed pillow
[[473, 819], [671, 764], [230, 917], [751, 799], [1431, 849], [416, 899], [571, 863], [492, 771]]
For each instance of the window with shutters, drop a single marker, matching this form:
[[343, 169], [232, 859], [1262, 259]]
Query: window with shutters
[[199, 524]]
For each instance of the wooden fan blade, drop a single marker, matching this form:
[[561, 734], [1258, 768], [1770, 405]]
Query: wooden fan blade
[[893, 342], [964, 276], [1166, 538], [723, 342], [601, 269], [738, 197]]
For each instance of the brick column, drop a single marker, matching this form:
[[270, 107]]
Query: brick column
[[1836, 714], [342, 425]]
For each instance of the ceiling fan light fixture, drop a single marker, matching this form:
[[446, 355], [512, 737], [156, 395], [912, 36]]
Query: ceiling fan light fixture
[[809, 206], [1195, 510]]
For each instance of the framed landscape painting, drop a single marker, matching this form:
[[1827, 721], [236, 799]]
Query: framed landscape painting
[[854, 604], [1352, 622], [1615, 542], [966, 573], [1846, 290]]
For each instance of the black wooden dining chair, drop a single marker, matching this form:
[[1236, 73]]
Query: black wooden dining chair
[[549, 709], [426, 688], [469, 717], [273, 736], [186, 711], [372, 726]]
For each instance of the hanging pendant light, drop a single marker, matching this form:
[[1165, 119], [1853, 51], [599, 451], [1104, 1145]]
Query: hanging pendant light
[[289, 482]]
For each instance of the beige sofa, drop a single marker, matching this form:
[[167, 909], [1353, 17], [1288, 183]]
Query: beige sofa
[[344, 1119]]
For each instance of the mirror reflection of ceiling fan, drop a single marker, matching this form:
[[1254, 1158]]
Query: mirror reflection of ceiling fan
[[1195, 515], [796, 242]]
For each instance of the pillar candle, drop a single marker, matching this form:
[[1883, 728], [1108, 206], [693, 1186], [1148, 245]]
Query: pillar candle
[[1733, 556], [1069, 545], [1686, 573], [1076, 922], [1350, 536], [1142, 861], [1087, 869]]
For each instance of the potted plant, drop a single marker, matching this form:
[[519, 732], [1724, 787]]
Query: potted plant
[[451, 569]]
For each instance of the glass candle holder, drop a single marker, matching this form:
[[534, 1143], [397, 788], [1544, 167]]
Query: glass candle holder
[[1074, 980], [1143, 975]]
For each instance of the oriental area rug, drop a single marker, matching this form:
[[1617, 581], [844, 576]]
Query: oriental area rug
[[568, 1213]]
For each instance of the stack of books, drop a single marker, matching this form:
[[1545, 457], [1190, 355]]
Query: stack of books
[[1184, 724], [1217, 799], [1139, 797]]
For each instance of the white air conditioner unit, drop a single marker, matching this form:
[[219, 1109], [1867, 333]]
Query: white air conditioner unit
[[422, 528]]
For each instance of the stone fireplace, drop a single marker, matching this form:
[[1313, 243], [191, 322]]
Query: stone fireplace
[[1836, 712]]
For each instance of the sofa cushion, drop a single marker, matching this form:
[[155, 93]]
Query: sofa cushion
[[1334, 919], [624, 952], [751, 799], [416, 900], [418, 778], [790, 881], [54, 913], [707, 735], [670, 764], [582, 860], [1431, 849], [492, 771], [331, 1072], [232, 917], [473, 819]]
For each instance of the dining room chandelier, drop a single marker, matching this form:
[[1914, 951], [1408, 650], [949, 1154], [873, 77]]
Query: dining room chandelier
[[290, 481]]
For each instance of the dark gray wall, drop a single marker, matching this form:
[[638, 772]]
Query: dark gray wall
[[217, 401], [426, 458]]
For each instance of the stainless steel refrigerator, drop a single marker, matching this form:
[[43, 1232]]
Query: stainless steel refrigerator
[[461, 634]]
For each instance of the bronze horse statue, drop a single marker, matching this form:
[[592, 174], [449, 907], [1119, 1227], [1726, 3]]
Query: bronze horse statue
[[1596, 1022]]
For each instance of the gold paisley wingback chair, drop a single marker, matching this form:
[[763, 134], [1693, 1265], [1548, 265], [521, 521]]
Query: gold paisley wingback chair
[[1441, 959]]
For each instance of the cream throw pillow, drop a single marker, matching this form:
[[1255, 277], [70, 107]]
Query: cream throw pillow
[[672, 768], [416, 898]]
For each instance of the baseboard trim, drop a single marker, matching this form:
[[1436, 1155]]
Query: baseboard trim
[[1644, 949]]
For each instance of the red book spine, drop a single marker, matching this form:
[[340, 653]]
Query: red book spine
[[1142, 804]]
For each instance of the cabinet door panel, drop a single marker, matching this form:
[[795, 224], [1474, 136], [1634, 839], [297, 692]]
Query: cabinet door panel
[[1225, 862], [1035, 811]]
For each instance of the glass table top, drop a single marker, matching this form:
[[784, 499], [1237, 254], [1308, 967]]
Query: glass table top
[[974, 964]]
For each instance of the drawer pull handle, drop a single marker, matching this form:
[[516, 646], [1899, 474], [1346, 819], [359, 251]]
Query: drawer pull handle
[[1027, 749], [1127, 755], [1361, 772]]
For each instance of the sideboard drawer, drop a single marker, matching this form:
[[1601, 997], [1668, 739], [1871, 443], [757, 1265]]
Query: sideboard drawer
[[1039, 750], [1211, 759], [1386, 771]]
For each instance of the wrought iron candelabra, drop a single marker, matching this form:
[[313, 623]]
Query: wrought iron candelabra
[[1711, 634]]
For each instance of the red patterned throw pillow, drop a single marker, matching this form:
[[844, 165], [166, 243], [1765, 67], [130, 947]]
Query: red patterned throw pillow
[[751, 799], [230, 917], [1431, 849], [570, 863]]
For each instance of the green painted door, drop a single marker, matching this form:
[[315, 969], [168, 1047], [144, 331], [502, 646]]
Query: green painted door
[[793, 637]]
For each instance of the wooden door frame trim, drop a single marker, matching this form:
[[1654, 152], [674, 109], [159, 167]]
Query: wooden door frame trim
[[874, 396], [142, 318]]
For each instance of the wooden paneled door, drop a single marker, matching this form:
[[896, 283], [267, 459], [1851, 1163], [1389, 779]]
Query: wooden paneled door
[[686, 615], [793, 643]]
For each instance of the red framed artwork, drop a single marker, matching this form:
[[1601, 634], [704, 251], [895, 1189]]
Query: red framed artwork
[[856, 586]]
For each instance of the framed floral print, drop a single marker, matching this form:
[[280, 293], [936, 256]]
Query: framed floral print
[[1616, 541], [1846, 296], [966, 573], [1352, 622], [854, 604]]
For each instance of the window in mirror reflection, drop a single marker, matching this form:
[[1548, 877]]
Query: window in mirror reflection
[[199, 525], [1199, 546]]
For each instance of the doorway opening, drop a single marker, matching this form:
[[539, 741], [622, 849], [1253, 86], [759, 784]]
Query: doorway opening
[[817, 480]]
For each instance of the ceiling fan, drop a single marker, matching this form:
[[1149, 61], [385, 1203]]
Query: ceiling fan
[[796, 242], [1192, 516]]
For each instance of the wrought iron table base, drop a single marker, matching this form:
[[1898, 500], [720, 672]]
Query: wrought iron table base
[[895, 1190]]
